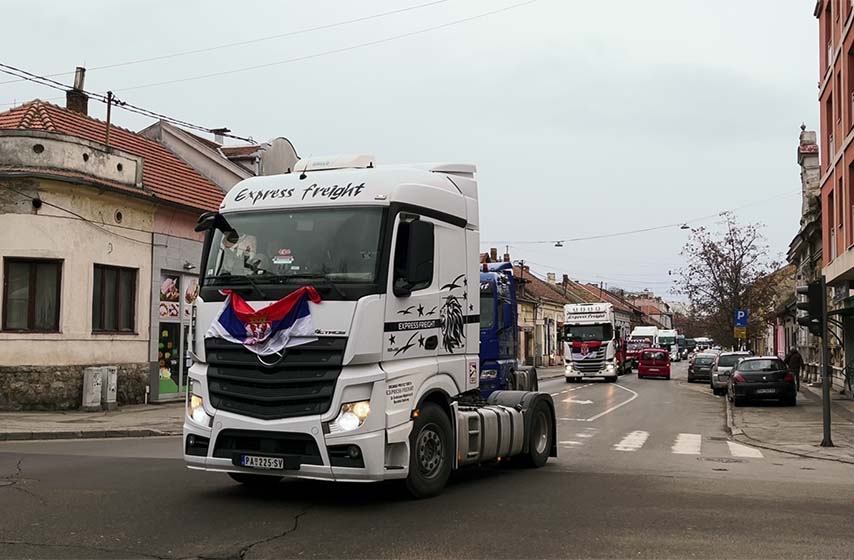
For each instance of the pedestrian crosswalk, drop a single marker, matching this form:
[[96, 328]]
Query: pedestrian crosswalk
[[679, 444]]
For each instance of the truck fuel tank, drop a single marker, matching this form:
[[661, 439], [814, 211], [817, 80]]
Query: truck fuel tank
[[490, 432]]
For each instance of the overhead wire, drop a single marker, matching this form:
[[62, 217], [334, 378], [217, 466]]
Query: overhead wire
[[248, 41], [331, 51], [107, 99], [641, 230], [83, 218]]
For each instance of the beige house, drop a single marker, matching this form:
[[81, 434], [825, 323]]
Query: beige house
[[99, 257]]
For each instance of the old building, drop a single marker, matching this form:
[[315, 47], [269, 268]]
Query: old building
[[100, 259], [805, 249]]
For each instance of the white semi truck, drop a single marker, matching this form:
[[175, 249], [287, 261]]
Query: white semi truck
[[375, 376], [591, 345]]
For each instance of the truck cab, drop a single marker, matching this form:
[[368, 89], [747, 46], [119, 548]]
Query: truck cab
[[335, 335], [590, 342], [499, 333]]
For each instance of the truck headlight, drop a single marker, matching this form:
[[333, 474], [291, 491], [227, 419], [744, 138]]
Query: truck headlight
[[610, 367], [196, 407], [488, 373], [352, 416]]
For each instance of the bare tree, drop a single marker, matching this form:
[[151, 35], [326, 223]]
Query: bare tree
[[728, 270]]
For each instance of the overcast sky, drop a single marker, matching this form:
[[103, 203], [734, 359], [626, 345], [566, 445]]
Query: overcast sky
[[584, 117]]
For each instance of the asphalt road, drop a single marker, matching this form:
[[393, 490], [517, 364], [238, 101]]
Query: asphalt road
[[645, 470]]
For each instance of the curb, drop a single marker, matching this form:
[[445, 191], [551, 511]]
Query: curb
[[88, 434], [730, 420], [738, 434]]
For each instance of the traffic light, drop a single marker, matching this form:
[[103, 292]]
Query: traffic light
[[812, 305]]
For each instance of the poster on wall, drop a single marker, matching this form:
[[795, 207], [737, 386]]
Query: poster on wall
[[168, 358], [170, 296], [191, 292]]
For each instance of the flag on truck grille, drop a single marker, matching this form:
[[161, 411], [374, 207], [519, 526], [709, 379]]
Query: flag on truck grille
[[270, 330]]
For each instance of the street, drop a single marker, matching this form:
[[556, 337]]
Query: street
[[645, 469]]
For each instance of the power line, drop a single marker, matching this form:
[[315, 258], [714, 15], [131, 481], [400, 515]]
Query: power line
[[83, 218], [248, 41], [642, 230], [109, 99], [332, 51]]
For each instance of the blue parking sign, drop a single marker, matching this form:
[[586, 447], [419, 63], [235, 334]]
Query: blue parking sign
[[741, 317]]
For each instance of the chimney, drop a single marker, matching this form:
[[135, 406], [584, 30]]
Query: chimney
[[75, 99], [219, 134], [565, 279], [551, 277], [493, 254], [506, 257]]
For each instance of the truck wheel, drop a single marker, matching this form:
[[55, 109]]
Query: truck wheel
[[430, 452], [511, 381], [255, 480], [533, 381], [539, 436]]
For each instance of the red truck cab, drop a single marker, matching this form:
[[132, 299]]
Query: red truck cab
[[633, 348]]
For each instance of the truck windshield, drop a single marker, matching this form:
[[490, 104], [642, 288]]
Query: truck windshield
[[339, 245], [588, 332], [667, 341]]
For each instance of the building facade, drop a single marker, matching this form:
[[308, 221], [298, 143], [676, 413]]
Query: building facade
[[99, 257], [836, 101]]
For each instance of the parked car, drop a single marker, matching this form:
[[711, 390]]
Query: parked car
[[654, 362], [700, 368], [722, 369], [762, 378]]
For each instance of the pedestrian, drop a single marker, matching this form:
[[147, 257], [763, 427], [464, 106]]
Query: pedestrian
[[794, 363]]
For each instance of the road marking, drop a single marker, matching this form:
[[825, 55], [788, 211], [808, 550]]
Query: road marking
[[613, 408], [555, 394], [739, 450], [571, 399], [570, 442], [573, 419], [584, 435], [687, 444], [632, 442]]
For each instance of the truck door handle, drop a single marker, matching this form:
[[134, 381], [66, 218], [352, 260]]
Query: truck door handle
[[431, 343]]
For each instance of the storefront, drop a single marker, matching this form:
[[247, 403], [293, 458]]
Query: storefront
[[174, 288]]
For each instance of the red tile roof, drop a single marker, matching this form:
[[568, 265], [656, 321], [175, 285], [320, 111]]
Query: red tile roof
[[164, 175]]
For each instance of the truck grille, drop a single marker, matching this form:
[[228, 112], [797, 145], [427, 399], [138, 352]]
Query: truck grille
[[593, 362], [300, 384]]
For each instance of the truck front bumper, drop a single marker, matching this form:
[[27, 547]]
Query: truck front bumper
[[315, 464], [572, 373], [310, 445]]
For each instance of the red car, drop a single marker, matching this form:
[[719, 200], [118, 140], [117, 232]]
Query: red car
[[654, 362]]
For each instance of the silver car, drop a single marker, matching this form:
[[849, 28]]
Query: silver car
[[722, 369]]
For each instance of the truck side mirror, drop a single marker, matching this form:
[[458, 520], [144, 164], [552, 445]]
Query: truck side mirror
[[414, 257], [206, 221]]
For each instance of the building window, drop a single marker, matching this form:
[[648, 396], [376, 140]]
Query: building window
[[31, 293], [114, 299]]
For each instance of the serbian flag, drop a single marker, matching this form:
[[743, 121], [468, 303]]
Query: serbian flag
[[280, 325]]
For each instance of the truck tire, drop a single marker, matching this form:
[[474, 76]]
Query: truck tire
[[255, 480], [430, 452], [539, 436]]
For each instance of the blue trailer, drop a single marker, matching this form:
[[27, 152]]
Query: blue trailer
[[499, 333]]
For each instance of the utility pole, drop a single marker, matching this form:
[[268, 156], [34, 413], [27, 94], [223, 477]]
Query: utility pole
[[825, 369]]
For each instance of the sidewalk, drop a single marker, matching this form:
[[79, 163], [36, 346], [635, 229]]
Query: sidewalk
[[549, 372], [796, 430], [127, 421]]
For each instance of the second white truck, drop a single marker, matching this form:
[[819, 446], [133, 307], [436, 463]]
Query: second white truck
[[590, 342]]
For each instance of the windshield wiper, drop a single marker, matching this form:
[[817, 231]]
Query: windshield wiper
[[326, 283], [231, 278]]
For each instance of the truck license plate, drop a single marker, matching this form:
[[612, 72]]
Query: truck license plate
[[255, 462], [653, 369], [764, 391]]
